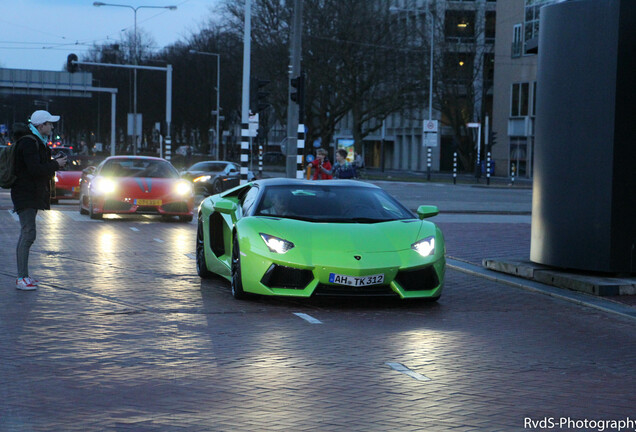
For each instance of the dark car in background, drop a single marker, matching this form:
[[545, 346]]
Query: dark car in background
[[212, 177]]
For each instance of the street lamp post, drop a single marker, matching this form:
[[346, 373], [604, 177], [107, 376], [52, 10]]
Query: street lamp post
[[135, 59], [218, 92]]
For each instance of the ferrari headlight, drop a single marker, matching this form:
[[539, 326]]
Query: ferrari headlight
[[425, 247], [203, 178], [183, 188], [275, 244], [105, 185]]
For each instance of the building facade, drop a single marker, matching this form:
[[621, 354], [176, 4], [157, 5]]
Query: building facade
[[515, 84], [463, 48]]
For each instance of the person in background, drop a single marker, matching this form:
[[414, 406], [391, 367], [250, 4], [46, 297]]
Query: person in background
[[358, 163], [321, 166], [342, 169], [31, 191], [83, 148]]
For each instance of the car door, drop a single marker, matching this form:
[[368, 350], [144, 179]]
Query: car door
[[233, 175]]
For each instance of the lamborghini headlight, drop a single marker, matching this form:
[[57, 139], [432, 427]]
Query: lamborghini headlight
[[104, 185], [275, 244], [425, 247], [183, 188], [202, 178]]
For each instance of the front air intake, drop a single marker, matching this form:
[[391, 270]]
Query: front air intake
[[278, 276]]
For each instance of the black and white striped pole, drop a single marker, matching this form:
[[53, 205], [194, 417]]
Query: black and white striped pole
[[428, 163], [260, 161], [300, 150], [168, 145], [454, 167], [488, 168], [245, 150]]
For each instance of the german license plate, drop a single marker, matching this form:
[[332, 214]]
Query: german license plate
[[341, 279], [148, 202]]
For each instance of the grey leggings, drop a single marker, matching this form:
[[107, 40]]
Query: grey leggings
[[27, 237]]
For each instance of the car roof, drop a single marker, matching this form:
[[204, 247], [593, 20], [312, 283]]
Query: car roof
[[135, 157], [281, 181]]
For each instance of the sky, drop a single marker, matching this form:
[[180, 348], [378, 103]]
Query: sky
[[40, 34]]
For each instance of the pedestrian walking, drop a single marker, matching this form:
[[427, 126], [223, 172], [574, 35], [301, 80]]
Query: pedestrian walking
[[31, 191]]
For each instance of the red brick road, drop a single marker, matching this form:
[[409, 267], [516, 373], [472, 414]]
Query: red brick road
[[124, 336]]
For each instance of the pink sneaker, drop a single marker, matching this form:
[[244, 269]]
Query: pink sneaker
[[25, 284]]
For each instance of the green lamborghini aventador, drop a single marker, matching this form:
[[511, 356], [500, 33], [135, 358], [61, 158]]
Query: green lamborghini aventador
[[337, 237]]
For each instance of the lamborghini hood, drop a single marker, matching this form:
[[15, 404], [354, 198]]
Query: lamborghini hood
[[350, 237]]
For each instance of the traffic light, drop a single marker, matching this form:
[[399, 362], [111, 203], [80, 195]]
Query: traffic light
[[298, 89], [258, 97], [70, 66], [493, 139]]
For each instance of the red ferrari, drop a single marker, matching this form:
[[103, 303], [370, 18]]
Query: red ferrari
[[135, 185], [66, 185]]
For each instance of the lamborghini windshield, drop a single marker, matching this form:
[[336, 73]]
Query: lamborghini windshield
[[131, 167], [328, 203]]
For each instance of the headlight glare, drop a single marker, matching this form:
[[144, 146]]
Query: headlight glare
[[203, 178], [425, 247], [275, 244], [183, 188], [105, 185]]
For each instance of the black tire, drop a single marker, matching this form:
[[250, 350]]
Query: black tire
[[202, 267], [91, 213], [237, 282], [186, 219], [217, 187]]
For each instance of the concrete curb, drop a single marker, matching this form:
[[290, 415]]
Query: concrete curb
[[579, 298]]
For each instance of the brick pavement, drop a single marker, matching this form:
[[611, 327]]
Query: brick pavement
[[124, 336]]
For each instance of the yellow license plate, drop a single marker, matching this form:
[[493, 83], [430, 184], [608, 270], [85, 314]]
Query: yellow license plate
[[148, 202]]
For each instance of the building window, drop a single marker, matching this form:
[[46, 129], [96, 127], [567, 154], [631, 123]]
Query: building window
[[460, 26], [534, 99], [519, 100], [532, 17], [491, 24], [517, 41]]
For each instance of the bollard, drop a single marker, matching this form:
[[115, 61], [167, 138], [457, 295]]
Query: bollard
[[512, 174], [245, 149], [488, 168], [300, 150], [454, 167], [260, 161], [428, 163]]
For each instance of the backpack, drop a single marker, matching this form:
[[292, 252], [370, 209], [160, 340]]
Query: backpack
[[7, 157], [7, 171]]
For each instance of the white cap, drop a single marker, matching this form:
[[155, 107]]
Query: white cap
[[40, 117]]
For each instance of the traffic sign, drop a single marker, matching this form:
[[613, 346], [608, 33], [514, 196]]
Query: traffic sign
[[429, 126]]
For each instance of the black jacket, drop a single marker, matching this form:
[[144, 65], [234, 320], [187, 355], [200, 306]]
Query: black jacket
[[34, 170]]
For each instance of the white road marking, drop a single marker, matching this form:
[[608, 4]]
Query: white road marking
[[191, 256], [399, 367], [158, 240], [134, 229], [307, 318]]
